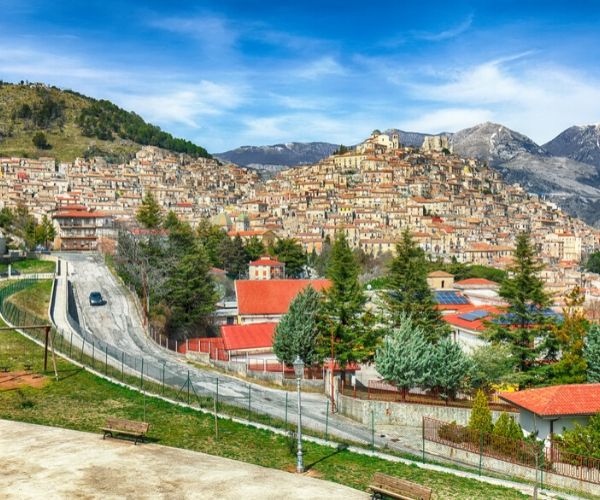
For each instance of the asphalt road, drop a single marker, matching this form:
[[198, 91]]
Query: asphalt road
[[118, 323]]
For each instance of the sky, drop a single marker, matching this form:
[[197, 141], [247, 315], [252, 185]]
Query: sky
[[230, 73]]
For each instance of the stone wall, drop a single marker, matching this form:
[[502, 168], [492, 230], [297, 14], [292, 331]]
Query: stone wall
[[509, 468], [409, 414]]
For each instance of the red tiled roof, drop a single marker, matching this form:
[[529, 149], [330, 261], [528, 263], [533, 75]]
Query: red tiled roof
[[271, 296], [80, 214], [572, 399], [252, 336], [266, 261], [477, 324]]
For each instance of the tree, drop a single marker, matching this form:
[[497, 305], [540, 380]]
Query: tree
[[255, 248], [171, 220], [582, 440], [149, 213], [507, 427], [449, 367], [408, 292], [592, 354], [235, 257], [40, 141], [525, 320], [191, 294], [404, 357], [214, 240], [491, 364], [49, 231], [481, 416], [291, 253], [343, 322], [593, 263], [296, 333], [570, 336]]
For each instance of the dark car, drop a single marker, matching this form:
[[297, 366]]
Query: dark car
[[96, 299]]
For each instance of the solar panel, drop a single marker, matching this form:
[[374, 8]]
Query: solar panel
[[452, 298], [474, 315]]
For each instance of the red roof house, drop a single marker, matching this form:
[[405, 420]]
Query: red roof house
[[251, 337], [268, 300], [550, 410]]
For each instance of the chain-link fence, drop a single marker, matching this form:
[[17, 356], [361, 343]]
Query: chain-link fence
[[169, 378]]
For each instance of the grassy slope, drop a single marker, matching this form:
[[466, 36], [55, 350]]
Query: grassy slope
[[35, 299], [31, 266], [67, 142]]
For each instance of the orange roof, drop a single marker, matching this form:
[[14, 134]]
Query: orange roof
[[80, 214], [572, 399], [476, 324], [267, 261], [476, 282], [271, 296], [252, 336]]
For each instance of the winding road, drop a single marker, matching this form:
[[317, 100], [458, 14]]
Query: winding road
[[118, 324]]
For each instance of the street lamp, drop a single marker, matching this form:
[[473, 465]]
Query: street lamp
[[299, 371]]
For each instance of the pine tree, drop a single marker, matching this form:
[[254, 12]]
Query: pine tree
[[525, 320], [449, 367], [343, 321], [171, 220], [190, 293], [405, 356], [296, 333], [408, 292], [507, 427], [235, 257], [214, 240], [481, 416], [291, 253], [592, 353], [149, 213], [255, 248]]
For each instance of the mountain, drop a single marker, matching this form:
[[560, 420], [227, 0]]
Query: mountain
[[581, 143], [412, 139], [66, 125], [571, 184], [278, 156]]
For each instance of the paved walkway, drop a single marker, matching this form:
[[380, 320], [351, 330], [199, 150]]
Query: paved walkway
[[52, 463]]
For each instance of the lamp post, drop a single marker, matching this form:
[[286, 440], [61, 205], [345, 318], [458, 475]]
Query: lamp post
[[299, 371]]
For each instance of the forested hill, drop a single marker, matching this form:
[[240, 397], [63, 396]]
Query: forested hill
[[38, 120]]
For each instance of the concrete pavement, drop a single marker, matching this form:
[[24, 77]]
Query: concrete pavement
[[51, 463]]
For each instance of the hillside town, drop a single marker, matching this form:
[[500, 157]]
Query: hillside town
[[458, 209]]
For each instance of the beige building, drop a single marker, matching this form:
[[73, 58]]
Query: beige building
[[440, 280]]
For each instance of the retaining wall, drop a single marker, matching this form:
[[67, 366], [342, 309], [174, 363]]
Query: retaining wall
[[409, 414], [511, 469]]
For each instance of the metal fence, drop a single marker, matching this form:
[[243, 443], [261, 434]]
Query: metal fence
[[171, 378], [525, 452], [379, 390]]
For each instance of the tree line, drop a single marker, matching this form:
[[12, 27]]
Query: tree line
[[21, 224]]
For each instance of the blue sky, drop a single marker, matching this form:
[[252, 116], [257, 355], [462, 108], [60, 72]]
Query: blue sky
[[230, 73]]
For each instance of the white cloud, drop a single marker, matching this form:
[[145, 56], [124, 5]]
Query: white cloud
[[535, 99], [446, 120], [187, 104], [446, 34], [325, 66]]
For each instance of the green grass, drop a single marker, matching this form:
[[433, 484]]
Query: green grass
[[35, 299], [81, 401], [32, 266]]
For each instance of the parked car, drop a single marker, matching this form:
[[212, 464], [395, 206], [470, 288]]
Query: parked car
[[96, 299]]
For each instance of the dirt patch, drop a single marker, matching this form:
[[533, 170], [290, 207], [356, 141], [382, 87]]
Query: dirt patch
[[16, 380]]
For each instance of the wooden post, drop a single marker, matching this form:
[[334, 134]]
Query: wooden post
[[46, 347]]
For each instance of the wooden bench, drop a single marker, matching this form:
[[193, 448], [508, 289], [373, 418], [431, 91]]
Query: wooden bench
[[383, 486], [133, 428]]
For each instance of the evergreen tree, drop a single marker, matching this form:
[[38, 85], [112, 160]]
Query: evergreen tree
[[409, 293], [214, 240], [40, 141], [235, 257], [592, 353], [405, 356], [449, 367], [343, 321], [296, 333], [255, 248], [149, 213], [291, 253], [191, 294], [593, 263], [171, 220], [507, 427], [49, 231], [181, 239], [481, 416], [525, 320]]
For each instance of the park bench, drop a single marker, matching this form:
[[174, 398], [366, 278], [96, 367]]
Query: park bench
[[132, 428], [383, 486]]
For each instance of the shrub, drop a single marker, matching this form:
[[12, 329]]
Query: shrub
[[481, 416]]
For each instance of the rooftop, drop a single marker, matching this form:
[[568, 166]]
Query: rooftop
[[558, 400]]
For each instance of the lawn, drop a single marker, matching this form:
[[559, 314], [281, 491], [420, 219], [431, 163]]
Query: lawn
[[35, 299], [32, 266]]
